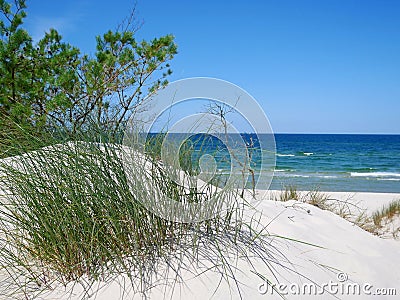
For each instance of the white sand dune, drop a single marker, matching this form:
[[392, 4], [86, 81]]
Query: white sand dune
[[349, 263]]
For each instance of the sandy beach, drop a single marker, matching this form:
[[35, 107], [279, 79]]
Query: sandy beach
[[322, 256]]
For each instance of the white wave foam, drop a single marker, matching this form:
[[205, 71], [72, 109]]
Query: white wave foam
[[308, 153], [375, 174], [282, 174], [285, 155]]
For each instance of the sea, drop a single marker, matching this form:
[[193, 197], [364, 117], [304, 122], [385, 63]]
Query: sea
[[338, 162], [327, 162]]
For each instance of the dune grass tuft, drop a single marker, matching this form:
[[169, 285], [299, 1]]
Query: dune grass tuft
[[68, 216], [386, 213], [288, 193], [313, 197]]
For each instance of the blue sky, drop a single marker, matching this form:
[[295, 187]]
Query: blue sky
[[314, 66]]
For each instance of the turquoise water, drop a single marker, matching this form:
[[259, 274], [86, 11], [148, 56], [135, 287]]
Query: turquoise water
[[338, 162], [330, 162]]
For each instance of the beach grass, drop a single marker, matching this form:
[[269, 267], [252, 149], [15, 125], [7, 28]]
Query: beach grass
[[69, 216], [386, 213], [289, 192], [314, 197]]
